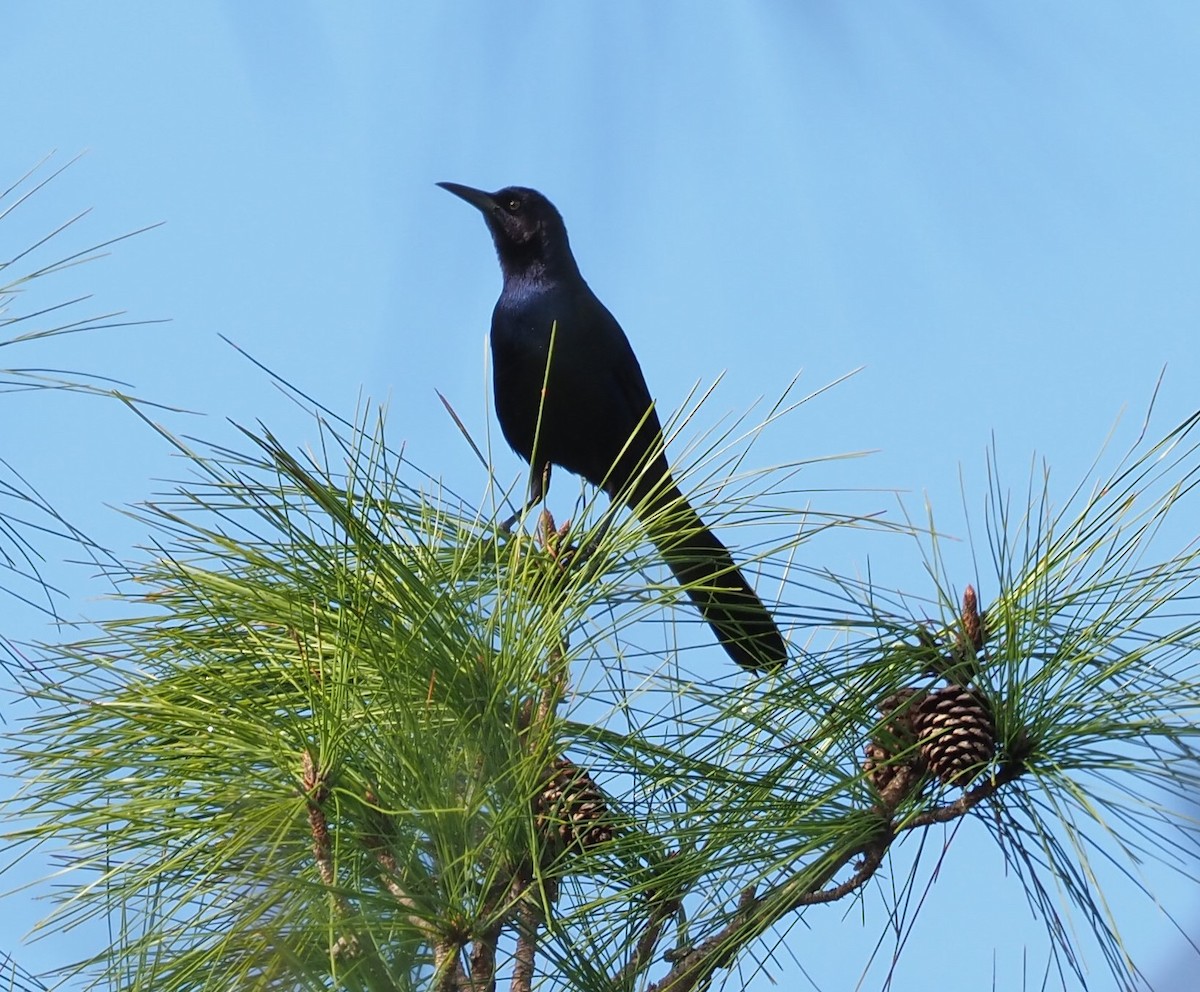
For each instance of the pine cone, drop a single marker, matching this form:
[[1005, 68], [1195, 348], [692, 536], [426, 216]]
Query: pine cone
[[974, 623], [571, 812], [894, 779], [957, 733]]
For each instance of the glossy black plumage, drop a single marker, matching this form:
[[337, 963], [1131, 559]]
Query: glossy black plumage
[[596, 417]]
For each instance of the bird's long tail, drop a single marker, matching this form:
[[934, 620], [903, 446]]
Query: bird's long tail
[[706, 570]]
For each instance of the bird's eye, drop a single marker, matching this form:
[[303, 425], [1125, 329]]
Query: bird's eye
[[514, 204]]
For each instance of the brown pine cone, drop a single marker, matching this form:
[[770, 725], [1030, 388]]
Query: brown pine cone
[[571, 813], [894, 778], [957, 733]]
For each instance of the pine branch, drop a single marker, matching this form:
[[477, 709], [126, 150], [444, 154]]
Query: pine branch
[[694, 968]]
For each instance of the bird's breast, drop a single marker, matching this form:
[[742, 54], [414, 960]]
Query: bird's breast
[[525, 324]]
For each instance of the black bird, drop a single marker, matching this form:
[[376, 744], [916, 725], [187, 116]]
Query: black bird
[[596, 417]]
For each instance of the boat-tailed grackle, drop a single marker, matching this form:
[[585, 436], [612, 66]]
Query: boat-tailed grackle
[[596, 417]]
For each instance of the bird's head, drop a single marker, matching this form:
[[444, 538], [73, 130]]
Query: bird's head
[[528, 230]]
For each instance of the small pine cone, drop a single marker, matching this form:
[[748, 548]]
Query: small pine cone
[[957, 733], [900, 723], [894, 779], [897, 732], [571, 812], [974, 623]]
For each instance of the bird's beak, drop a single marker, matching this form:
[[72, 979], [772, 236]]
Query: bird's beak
[[476, 197]]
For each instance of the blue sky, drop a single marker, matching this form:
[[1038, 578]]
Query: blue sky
[[991, 208]]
